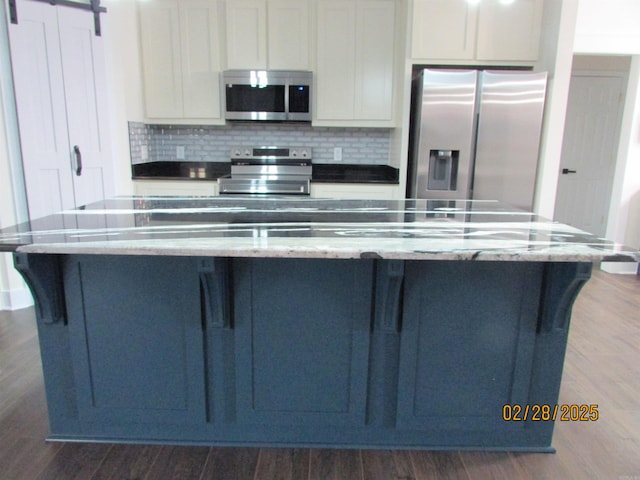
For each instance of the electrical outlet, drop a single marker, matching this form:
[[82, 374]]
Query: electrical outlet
[[337, 154], [180, 152]]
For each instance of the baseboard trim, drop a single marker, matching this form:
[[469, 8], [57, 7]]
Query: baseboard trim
[[15, 299], [622, 268]]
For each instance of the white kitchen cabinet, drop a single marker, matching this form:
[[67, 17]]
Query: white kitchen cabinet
[[246, 34], [444, 29], [509, 32], [288, 28], [268, 34], [185, 188], [487, 31], [354, 190], [181, 65], [355, 63], [61, 97]]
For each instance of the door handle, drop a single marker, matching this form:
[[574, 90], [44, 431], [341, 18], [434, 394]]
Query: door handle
[[566, 170], [76, 151]]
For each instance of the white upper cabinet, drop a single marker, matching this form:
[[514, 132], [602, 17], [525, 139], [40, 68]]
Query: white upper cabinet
[[375, 34], [509, 32], [485, 30], [246, 34], [200, 53], [443, 29], [181, 59], [289, 32], [271, 34], [160, 41], [355, 63], [335, 62]]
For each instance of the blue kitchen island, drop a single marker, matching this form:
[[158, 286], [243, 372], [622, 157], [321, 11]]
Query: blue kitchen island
[[305, 322]]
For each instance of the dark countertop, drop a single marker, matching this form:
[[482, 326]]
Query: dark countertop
[[180, 170], [332, 173], [322, 173]]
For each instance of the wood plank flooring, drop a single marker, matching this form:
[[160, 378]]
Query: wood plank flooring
[[602, 366]]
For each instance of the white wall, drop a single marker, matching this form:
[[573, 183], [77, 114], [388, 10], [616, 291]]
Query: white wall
[[559, 22], [13, 209], [612, 28], [122, 55]]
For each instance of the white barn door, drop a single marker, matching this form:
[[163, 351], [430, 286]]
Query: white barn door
[[59, 77], [85, 92], [39, 90]]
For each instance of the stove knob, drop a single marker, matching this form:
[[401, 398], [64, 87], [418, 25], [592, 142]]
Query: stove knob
[[304, 153], [294, 153]]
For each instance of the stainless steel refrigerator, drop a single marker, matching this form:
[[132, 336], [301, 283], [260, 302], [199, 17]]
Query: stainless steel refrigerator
[[476, 134]]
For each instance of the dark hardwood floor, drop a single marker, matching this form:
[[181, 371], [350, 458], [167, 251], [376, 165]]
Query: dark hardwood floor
[[602, 367]]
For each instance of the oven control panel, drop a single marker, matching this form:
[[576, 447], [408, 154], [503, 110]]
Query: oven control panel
[[271, 153]]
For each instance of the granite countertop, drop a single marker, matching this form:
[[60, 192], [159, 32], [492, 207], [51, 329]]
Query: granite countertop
[[332, 173], [211, 171], [314, 228], [180, 170]]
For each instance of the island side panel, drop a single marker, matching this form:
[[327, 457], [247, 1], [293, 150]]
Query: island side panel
[[136, 340], [467, 340], [43, 275], [302, 330], [302, 352]]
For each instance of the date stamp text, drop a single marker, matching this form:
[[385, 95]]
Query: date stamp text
[[550, 413]]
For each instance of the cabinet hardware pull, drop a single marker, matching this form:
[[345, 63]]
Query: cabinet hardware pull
[[76, 151], [566, 170]]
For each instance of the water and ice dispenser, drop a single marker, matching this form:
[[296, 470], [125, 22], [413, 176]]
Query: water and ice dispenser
[[443, 169]]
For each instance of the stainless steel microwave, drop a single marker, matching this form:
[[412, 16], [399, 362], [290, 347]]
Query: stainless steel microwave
[[268, 95]]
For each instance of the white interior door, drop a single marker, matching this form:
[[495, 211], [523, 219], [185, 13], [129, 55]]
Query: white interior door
[[85, 90], [589, 151], [59, 77], [39, 91]]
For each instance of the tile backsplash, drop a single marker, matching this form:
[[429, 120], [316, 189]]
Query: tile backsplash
[[149, 143]]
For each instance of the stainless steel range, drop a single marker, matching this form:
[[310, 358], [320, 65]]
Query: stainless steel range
[[268, 170]]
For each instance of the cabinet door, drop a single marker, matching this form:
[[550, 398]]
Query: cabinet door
[[85, 92], [302, 341], [200, 58], [137, 358], [462, 360], [181, 59], [336, 57], [443, 29], [355, 63], [160, 38], [246, 34], [352, 190], [509, 32], [288, 34], [189, 188], [375, 34]]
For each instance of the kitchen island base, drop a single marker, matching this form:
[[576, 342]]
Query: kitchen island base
[[310, 352]]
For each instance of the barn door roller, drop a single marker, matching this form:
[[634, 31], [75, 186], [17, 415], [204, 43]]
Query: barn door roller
[[93, 6]]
